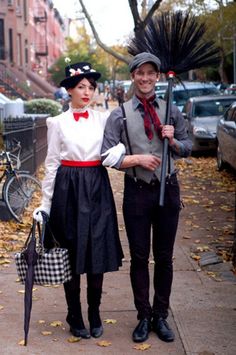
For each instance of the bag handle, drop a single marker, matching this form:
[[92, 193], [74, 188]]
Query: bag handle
[[31, 234], [42, 233]]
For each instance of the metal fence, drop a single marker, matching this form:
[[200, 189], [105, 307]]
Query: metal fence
[[31, 131]]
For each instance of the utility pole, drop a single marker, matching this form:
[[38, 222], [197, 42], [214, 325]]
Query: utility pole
[[233, 38], [234, 46]]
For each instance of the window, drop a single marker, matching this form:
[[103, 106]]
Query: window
[[26, 52], [211, 108], [11, 57], [231, 114], [19, 50], [25, 11], [2, 41]]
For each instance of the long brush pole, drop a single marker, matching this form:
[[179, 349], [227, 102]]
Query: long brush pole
[[165, 150]]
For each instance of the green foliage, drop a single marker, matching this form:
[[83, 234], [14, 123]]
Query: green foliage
[[43, 106]]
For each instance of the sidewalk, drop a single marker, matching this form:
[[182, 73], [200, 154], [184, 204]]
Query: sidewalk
[[202, 315]]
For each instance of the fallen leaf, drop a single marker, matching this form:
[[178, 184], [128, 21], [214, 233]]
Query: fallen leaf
[[142, 347], [1, 307], [5, 261], [110, 321], [21, 342], [56, 323], [195, 257], [21, 291], [73, 339], [104, 343], [45, 332], [41, 321], [226, 208]]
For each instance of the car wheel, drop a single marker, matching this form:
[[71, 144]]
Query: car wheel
[[220, 162]]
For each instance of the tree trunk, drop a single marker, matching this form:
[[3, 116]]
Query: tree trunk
[[222, 73]]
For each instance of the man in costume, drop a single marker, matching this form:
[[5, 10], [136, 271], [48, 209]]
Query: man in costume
[[140, 127]]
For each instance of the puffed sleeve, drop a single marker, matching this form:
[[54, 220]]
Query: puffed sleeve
[[52, 161]]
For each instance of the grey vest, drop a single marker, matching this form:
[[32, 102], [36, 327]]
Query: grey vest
[[140, 144]]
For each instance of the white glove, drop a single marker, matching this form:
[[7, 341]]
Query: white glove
[[37, 215], [113, 155]]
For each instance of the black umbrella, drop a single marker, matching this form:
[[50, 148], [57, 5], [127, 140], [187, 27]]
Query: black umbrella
[[31, 257], [178, 40]]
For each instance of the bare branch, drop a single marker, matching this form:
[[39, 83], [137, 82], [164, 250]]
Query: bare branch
[[136, 17], [138, 25], [151, 12], [99, 42]]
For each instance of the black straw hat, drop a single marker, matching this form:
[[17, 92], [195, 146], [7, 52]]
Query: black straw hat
[[76, 72]]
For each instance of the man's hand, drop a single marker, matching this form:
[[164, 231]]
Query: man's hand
[[168, 132], [149, 162]]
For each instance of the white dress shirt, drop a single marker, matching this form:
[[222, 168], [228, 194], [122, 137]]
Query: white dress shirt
[[69, 139]]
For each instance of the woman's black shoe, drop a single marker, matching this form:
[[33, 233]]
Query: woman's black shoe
[[162, 329], [142, 330], [80, 333], [77, 327], [96, 332], [96, 328]]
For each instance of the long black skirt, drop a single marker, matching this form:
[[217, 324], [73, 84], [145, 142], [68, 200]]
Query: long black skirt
[[83, 219]]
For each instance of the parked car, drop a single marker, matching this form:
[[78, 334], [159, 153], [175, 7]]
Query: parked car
[[226, 138], [202, 115], [231, 90], [160, 88], [182, 92]]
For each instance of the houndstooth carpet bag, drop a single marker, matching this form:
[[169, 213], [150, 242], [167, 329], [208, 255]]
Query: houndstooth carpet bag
[[51, 266]]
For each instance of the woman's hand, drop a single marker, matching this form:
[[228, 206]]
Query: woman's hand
[[113, 155], [37, 214]]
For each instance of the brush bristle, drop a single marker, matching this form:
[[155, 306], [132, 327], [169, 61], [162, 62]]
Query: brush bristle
[[178, 41]]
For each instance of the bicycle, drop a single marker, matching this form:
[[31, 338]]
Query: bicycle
[[19, 186]]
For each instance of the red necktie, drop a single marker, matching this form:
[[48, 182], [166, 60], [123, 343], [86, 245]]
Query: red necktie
[[77, 115], [150, 114]]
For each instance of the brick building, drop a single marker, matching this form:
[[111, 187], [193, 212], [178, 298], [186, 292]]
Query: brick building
[[32, 37]]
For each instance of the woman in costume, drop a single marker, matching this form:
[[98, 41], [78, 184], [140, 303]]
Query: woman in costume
[[78, 198]]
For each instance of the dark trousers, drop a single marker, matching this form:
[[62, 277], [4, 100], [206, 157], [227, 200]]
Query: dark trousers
[[142, 216]]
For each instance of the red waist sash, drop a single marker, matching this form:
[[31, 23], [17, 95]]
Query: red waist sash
[[80, 163]]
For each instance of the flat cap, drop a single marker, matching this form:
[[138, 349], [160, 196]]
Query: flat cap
[[142, 58]]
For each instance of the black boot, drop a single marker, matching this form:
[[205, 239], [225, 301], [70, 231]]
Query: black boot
[[94, 300], [74, 317]]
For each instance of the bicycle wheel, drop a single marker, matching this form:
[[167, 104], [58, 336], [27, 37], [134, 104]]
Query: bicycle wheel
[[18, 191]]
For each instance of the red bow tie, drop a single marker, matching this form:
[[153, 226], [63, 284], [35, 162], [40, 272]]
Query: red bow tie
[[77, 115]]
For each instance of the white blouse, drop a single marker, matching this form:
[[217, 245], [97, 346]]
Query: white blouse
[[69, 139]]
